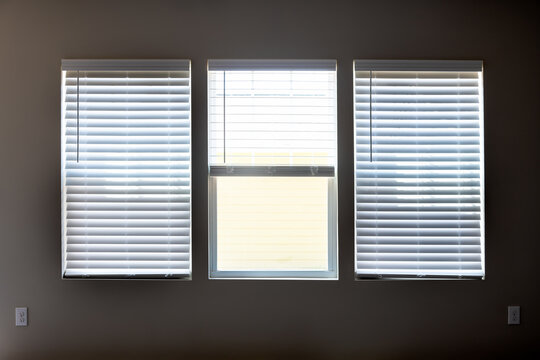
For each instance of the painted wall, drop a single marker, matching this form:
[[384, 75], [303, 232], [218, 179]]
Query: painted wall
[[265, 319]]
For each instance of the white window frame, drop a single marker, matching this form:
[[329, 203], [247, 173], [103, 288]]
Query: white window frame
[[284, 171]]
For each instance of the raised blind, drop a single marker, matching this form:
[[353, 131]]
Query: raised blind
[[272, 112], [419, 169], [126, 168]]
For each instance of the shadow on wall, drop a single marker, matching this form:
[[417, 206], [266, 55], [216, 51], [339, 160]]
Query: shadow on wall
[[265, 354]]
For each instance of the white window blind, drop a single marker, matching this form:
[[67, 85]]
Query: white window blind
[[419, 169], [272, 113], [272, 157], [126, 168]]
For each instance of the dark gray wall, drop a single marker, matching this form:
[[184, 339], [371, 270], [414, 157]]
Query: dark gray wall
[[265, 319]]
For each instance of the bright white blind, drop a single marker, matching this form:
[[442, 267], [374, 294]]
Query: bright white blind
[[272, 112], [419, 169], [126, 173]]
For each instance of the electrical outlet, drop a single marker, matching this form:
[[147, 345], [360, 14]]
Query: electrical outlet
[[21, 316], [513, 315]]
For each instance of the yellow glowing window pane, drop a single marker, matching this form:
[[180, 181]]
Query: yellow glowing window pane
[[272, 223]]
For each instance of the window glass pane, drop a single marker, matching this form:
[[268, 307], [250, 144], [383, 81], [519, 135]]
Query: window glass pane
[[272, 223]]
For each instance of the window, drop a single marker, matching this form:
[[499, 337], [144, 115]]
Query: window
[[419, 169], [126, 169], [272, 169]]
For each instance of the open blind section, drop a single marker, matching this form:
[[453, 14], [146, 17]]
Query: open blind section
[[126, 171], [419, 173], [272, 112]]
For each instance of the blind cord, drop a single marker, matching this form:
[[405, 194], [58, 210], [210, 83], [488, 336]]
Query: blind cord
[[78, 115], [370, 118], [224, 147]]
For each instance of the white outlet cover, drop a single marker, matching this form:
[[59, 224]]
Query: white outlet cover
[[21, 316], [514, 315]]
